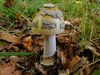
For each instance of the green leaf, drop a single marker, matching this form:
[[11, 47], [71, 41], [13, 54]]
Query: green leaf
[[15, 53], [98, 19]]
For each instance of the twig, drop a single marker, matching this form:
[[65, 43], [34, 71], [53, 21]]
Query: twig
[[93, 50], [20, 66], [89, 64]]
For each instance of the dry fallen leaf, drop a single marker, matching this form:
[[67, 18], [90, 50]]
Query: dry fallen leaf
[[61, 38], [76, 21], [14, 59], [27, 73], [27, 42], [74, 61], [40, 68], [17, 72], [9, 37], [62, 56], [64, 37], [7, 68], [63, 72]]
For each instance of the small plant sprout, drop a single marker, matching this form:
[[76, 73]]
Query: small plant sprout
[[48, 22]]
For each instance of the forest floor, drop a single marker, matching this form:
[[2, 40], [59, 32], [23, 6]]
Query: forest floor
[[78, 51]]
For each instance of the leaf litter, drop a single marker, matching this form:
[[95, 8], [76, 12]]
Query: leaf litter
[[70, 59]]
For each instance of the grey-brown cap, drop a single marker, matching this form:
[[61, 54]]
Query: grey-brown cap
[[48, 21]]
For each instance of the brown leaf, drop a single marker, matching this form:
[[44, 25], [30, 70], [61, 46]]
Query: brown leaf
[[62, 56], [40, 68], [17, 72], [7, 68], [9, 3], [61, 38], [74, 61], [27, 42], [14, 59], [9, 37], [80, 63], [27, 73], [70, 50], [37, 42], [63, 72], [87, 70], [76, 21]]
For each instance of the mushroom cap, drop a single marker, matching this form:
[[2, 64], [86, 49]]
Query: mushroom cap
[[48, 21]]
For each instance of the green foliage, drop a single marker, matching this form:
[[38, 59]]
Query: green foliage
[[15, 53], [96, 72]]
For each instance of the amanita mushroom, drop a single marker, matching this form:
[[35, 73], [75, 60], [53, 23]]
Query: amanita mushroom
[[48, 22]]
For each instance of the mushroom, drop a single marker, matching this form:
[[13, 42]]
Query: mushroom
[[48, 22]]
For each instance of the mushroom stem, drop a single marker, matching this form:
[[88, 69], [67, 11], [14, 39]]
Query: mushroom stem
[[49, 50], [49, 45]]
